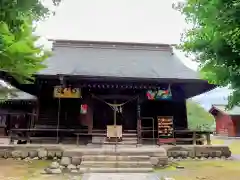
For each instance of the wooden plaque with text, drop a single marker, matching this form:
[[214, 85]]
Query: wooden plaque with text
[[60, 92]]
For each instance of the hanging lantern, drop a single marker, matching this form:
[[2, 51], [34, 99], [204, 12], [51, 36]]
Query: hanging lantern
[[83, 109]]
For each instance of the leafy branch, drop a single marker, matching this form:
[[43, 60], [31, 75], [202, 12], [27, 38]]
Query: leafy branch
[[214, 39], [19, 55]]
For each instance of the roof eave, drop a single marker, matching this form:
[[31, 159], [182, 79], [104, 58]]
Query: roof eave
[[56, 41]]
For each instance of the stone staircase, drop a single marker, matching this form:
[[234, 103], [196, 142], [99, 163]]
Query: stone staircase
[[115, 163], [110, 160]]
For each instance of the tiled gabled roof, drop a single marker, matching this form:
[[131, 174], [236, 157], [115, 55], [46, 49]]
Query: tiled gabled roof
[[234, 111], [115, 59]]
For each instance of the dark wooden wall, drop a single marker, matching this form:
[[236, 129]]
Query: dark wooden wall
[[49, 107]]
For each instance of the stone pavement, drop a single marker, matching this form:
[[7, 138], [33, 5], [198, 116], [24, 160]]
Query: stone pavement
[[119, 176]]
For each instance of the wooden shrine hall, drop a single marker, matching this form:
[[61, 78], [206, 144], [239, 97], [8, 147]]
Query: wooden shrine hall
[[98, 91]]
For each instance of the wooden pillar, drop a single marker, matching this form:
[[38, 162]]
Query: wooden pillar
[[194, 138], [208, 136], [139, 133], [58, 119], [37, 106]]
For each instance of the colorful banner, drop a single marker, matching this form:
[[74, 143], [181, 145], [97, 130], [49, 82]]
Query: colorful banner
[[159, 94], [60, 92]]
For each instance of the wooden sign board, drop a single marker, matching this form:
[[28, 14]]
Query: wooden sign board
[[165, 130], [60, 92], [114, 131]]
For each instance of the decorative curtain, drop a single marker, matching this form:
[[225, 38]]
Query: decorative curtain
[[159, 94]]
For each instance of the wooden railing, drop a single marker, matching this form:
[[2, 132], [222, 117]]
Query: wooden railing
[[149, 129], [195, 136], [188, 136], [30, 134]]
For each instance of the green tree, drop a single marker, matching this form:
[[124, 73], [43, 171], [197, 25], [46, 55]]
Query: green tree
[[198, 117], [19, 55], [214, 39]]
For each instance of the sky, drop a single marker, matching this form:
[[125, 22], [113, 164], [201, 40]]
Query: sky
[[115, 20], [149, 21]]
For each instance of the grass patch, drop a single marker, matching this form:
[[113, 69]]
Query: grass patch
[[34, 168], [39, 164], [165, 169], [234, 145], [205, 170], [21, 169], [217, 141], [196, 164]]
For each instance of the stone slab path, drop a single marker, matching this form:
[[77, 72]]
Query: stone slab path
[[119, 176]]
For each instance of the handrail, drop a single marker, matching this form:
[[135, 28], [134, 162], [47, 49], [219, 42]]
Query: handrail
[[153, 128]]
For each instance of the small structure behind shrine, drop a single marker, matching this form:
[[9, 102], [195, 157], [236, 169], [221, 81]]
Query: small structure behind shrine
[[227, 121], [17, 110]]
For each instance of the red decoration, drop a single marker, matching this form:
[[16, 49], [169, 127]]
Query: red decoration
[[84, 108], [166, 140]]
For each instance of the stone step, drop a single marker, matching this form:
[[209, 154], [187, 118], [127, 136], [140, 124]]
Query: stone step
[[115, 170], [121, 142], [114, 158], [117, 164], [123, 151], [129, 135], [129, 138], [112, 146], [4, 140], [101, 140]]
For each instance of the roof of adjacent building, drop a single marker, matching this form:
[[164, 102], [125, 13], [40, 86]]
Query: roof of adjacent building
[[20, 95], [9, 93], [234, 111], [116, 59]]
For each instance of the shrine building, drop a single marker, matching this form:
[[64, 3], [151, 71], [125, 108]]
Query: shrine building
[[94, 87]]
